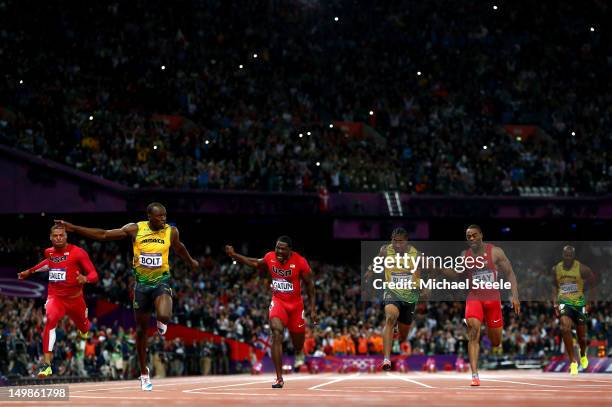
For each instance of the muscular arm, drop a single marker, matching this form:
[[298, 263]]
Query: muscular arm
[[589, 277], [87, 266], [247, 261], [555, 286], [310, 288], [180, 249], [40, 267], [126, 231], [503, 264]]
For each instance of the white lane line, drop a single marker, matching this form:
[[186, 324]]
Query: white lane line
[[136, 385], [409, 380], [333, 381], [525, 383], [247, 383]]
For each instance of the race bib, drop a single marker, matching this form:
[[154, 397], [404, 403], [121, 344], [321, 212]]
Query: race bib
[[403, 278], [485, 275], [283, 286], [568, 288], [150, 260], [56, 275]]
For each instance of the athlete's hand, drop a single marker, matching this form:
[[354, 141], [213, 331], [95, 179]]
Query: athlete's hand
[[194, 264], [24, 274], [516, 304], [67, 225], [229, 250], [314, 318], [81, 279]]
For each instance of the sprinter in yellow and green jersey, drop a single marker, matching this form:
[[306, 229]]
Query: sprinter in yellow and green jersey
[[151, 240], [570, 303], [399, 304]]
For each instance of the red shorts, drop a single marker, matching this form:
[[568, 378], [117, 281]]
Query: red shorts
[[488, 311], [291, 314], [55, 309]]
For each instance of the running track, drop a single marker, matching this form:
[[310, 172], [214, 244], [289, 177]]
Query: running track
[[356, 389]]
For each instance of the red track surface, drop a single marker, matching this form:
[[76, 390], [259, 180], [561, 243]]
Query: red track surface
[[382, 389]]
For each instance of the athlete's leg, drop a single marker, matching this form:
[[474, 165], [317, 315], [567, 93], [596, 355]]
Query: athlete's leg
[[403, 331], [77, 312], [565, 323], [298, 338], [473, 333], [391, 314], [277, 328], [474, 315], [142, 324], [54, 310], [581, 330], [495, 336], [495, 323], [163, 311]]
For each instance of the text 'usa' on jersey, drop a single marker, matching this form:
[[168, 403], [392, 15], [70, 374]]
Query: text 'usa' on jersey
[[65, 265], [286, 276]]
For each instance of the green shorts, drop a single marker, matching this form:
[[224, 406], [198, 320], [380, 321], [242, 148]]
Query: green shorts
[[576, 313]]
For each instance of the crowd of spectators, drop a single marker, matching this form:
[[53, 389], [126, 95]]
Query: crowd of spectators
[[224, 95], [232, 301]]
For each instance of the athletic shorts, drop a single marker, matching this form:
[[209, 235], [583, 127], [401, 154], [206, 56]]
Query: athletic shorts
[[145, 295], [406, 310], [488, 312], [576, 313], [291, 314]]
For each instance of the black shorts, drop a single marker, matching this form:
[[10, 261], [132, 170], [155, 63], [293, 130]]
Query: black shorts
[[406, 310], [577, 314], [145, 295]]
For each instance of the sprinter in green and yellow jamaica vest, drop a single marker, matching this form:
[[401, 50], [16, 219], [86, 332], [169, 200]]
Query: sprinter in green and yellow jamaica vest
[[570, 305], [152, 240], [399, 303]]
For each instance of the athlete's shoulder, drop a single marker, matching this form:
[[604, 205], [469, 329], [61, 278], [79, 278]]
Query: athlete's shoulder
[[268, 257], [48, 251]]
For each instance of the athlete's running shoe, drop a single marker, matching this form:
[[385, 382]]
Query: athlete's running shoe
[[145, 382], [574, 368], [475, 380], [278, 384], [44, 371], [584, 362], [386, 366], [84, 335]]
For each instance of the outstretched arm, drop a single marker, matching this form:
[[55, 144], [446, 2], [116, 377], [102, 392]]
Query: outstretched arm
[[248, 261], [40, 267], [180, 249], [126, 231], [502, 262]]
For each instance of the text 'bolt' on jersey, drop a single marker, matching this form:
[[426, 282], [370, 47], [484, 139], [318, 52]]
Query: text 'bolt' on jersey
[[151, 250]]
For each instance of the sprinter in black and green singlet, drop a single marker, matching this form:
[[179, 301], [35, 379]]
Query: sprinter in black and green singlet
[[152, 240], [570, 304]]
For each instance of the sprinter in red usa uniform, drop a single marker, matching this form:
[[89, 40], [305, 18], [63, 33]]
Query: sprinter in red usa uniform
[[69, 268], [483, 306], [287, 269]]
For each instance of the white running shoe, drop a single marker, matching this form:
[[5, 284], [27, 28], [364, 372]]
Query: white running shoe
[[145, 382]]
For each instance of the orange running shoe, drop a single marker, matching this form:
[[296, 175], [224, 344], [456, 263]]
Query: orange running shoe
[[475, 381]]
